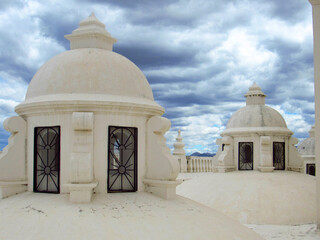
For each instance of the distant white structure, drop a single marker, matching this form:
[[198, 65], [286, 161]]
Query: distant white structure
[[307, 151], [89, 123], [200, 164], [179, 153], [257, 138]]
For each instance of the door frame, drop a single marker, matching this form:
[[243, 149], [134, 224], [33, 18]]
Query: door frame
[[121, 173], [35, 153], [239, 155], [283, 157]]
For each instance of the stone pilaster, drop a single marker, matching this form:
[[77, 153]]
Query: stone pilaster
[[81, 162], [266, 161], [316, 55]]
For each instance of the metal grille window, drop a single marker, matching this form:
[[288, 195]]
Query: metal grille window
[[47, 159], [122, 159], [311, 169], [278, 155], [245, 156]]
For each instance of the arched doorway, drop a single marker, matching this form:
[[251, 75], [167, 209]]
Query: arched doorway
[[47, 159], [245, 156], [311, 169], [122, 159], [279, 156]]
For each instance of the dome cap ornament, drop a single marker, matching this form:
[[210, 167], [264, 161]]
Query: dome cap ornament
[[91, 33], [255, 96]]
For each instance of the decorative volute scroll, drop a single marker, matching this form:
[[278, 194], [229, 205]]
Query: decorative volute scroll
[[225, 155], [161, 165], [12, 158]]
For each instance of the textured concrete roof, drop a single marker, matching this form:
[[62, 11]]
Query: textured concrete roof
[[253, 197], [114, 216]]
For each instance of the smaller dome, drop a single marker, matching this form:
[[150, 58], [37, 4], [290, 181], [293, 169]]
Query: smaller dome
[[307, 146], [256, 115]]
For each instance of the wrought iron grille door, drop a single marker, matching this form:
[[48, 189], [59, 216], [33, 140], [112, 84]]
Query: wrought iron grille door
[[245, 156], [122, 159], [311, 169], [47, 159], [278, 156]]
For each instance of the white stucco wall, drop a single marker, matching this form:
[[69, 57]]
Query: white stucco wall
[[100, 158]]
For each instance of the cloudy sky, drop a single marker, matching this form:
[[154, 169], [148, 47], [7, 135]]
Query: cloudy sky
[[200, 56]]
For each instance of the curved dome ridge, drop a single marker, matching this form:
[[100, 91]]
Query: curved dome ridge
[[256, 116], [90, 67], [89, 70], [307, 146]]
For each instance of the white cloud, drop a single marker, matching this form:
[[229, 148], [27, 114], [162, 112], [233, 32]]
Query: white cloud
[[227, 46]]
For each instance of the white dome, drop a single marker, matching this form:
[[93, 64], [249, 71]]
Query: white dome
[[89, 76], [307, 146], [89, 71], [256, 116]]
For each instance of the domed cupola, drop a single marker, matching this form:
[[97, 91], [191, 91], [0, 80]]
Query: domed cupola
[[89, 73], [256, 114], [307, 146], [257, 138], [93, 124]]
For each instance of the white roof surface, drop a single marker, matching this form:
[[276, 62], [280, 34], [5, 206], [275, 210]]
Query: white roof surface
[[114, 216], [256, 198]]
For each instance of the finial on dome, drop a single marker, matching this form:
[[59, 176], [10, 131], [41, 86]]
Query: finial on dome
[[254, 86], [255, 96], [91, 33]]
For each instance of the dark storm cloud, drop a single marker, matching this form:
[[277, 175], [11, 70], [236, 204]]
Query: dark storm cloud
[[288, 10], [147, 56], [5, 4], [15, 68], [56, 27], [132, 4], [9, 60]]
